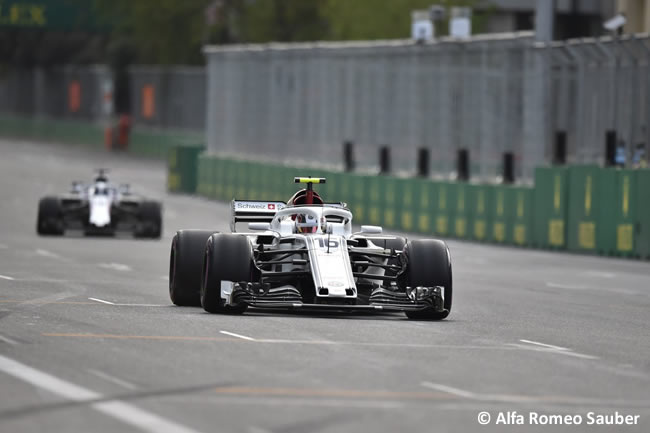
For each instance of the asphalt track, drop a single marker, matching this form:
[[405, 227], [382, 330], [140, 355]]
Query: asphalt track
[[89, 341]]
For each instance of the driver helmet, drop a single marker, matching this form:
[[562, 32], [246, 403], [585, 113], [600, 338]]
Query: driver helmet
[[306, 223]]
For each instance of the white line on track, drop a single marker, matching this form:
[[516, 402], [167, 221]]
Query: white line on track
[[8, 340], [548, 346], [450, 390], [6, 277], [117, 304], [113, 379], [46, 253], [115, 266], [565, 286], [120, 410], [102, 301], [232, 334]]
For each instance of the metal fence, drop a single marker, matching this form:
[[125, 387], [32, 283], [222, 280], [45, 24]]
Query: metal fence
[[46, 92], [176, 94], [599, 85], [300, 102], [490, 95]]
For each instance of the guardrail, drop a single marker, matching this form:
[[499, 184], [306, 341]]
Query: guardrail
[[584, 209]]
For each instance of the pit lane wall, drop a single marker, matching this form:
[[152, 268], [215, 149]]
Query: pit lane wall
[[585, 209]]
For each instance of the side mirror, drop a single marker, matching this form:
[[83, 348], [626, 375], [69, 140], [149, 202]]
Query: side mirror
[[371, 230], [259, 226]]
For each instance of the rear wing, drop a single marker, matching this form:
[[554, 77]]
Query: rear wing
[[253, 211]]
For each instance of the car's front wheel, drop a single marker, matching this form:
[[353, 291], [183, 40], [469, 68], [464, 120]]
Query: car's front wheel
[[429, 265], [228, 258], [185, 263]]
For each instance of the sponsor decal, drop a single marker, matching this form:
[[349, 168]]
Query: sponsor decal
[[261, 206]]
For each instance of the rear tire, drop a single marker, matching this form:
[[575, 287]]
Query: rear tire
[[149, 220], [185, 263], [50, 217], [429, 264], [227, 257]]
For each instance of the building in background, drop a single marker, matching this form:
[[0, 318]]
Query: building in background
[[637, 15], [573, 18]]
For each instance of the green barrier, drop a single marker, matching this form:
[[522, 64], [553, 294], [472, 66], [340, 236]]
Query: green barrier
[[424, 207], [607, 200], [510, 215], [642, 213], [328, 191], [479, 215], [204, 173], [346, 193], [265, 182], [386, 203], [608, 211], [585, 190], [443, 198], [182, 168], [218, 176], [362, 198], [461, 205], [620, 225], [550, 201], [406, 209], [229, 179], [522, 215], [627, 202], [501, 215]]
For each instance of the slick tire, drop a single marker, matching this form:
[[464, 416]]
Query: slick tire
[[429, 264], [227, 257], [185, 264], [50, 217], [149, 220]]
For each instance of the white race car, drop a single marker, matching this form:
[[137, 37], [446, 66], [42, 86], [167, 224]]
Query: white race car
[[303, 254], [100, 208]]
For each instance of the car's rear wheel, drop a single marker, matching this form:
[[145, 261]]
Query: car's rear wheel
[[185, 263], [227, 258], [429, 265], [50, 217]]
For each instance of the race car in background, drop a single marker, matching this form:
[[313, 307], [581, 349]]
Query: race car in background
[[100, 208], [303, 254]]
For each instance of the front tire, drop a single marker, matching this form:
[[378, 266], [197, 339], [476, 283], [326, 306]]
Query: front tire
[[429, 264], [185, 263], [227, 258]]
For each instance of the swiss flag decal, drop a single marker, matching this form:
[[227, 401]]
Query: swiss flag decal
[[271, 206]]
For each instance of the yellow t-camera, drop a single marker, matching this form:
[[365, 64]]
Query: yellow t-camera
[[309, 180]]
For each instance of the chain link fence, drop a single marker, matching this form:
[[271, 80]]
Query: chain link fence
[[298, 103], [161, 97], [488, 95], [599, 86], [74, 92]]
